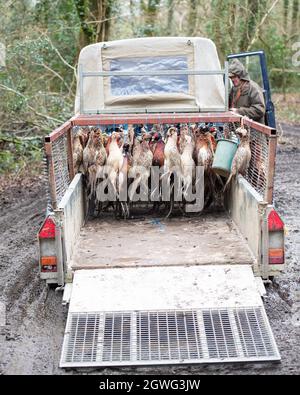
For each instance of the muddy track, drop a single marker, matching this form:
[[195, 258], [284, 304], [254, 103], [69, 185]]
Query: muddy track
[[31, 341]]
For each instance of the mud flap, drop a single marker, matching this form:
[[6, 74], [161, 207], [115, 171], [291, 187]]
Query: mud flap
[[166, 315]]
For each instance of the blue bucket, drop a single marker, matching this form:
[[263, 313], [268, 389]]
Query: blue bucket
[[223, 157]]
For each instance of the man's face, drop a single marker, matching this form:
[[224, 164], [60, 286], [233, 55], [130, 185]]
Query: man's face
[[235, 80]]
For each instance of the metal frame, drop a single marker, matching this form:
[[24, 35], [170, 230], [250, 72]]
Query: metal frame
[[241, 334], [83, 74], [142, 118], [59, 131], [271, 168], [66, 128]]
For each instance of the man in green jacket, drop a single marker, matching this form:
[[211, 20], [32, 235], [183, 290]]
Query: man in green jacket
[[246, 97]]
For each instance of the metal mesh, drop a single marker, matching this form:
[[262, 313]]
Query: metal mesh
[[84, 331], [259, 163], [116, 338], [161, 337], [168, 336], [253, 333], [60, 162], [219, 334], [94, 335]]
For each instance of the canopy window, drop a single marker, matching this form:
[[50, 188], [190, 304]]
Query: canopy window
[[155, 84]]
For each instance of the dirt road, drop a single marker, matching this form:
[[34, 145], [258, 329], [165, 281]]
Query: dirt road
[[30, 343]]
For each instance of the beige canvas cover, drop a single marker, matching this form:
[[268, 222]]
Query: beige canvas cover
[[152, 92]]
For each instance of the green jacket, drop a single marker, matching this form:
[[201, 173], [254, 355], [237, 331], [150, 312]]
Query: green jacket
[[250, 100]]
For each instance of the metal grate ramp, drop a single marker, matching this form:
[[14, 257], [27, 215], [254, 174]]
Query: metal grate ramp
[[164, 337], [166, 315]]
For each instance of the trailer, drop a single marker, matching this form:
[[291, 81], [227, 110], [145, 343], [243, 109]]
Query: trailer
[[154, 290]]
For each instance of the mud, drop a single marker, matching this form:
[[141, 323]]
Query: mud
[[31, 340]]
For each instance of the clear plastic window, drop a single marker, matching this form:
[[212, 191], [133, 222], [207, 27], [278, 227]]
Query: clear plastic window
[[138, 85]]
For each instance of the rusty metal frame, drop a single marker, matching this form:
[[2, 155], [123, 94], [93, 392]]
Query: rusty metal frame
[[259, 127], [58, 132], [271, 168], [108, 119], [272, 144], [70, 154]]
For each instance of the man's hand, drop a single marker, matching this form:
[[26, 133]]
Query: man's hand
[[233, 109]]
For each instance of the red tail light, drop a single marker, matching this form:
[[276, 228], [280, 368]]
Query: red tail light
[[275, 222], [48, 260], [48, 229], [276, 239]]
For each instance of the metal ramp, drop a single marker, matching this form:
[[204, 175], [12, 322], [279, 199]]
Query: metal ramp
[[166, 315]]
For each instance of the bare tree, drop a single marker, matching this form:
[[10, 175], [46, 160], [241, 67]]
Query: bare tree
[[170, 15], [285, 13], [295, 14], [94, 16], [251, 22], [149, 12], [219, 12], [192, 17]]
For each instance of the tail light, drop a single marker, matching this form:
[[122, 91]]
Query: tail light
[[276, 238], [48, 229], [48, 264], [46, 235]]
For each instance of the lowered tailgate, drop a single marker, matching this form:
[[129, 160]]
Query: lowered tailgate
[[166, 315]]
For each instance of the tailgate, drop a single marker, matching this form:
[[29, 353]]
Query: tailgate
[[166, 315]]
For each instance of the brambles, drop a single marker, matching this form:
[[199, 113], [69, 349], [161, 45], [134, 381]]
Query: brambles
[[20, 154]]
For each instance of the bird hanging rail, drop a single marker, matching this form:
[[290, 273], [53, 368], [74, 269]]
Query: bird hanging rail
[[152, 118]]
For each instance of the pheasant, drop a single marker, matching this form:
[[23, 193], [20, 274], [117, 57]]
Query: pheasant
[[242, 156]]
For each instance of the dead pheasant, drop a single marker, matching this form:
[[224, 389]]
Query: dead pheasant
[[204, 150], [172, 156], [114, 162], [204, 153], [184, 131], [157, 147], [89, 153], [95, 170], [142, 162], [78, 151], [187, 164], [242, 156]]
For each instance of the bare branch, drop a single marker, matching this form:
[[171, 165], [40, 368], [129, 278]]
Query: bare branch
[[60, 55], [257, 31], [53, 72], [108, 19], [4, 87]]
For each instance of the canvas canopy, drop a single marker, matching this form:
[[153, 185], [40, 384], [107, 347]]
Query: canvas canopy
[[96, 94]]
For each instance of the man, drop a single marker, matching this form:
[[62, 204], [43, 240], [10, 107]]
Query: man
[[246, 97]]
